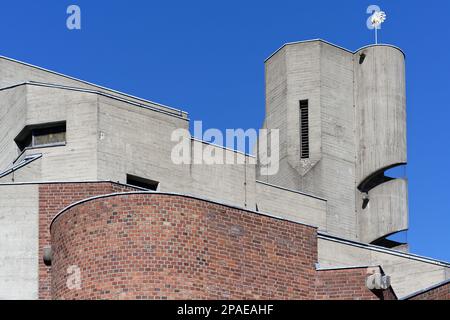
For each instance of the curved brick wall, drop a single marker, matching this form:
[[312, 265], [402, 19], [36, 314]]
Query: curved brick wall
[[156, 246], [54, 197]]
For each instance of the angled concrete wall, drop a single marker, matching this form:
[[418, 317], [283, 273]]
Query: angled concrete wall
[[296, 206]]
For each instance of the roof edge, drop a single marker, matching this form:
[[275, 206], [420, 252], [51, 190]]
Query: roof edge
[[91, 84], [171, 112], [334, 45]]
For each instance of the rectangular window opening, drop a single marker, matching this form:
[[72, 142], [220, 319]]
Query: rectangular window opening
[[304, 130], [142, 182], [42, 135]]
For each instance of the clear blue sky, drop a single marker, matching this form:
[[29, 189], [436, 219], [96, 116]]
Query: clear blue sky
[[206, 57]]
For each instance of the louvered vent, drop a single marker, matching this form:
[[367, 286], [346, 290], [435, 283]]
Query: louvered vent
[[304, 129]]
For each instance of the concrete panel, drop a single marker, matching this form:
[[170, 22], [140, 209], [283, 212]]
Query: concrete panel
[[296, 206], [31, 105], [380, 98], [13, 110], [138, 141], [19, 252], [335, 254], [227, 183], [133, 140], [387, 211], [76, 161]]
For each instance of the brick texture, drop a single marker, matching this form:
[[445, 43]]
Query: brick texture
[[347, 284], [53, 197], [441, 292], [156, 246]]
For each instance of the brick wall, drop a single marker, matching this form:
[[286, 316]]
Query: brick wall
[[348, 284], [441, 292], [53, 197], [155, 246]]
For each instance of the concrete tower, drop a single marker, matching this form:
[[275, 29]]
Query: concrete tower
[[342, 122]]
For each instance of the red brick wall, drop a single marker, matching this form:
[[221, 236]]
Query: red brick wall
[[155, 246], [347, 284], [439, 293], [53, 197], [174, 247]]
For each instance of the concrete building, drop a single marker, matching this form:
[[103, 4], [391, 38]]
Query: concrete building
[[341, 117]]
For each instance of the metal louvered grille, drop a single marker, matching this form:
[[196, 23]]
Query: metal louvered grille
[[304, 129]]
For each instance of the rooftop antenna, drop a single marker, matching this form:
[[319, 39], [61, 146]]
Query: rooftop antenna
[[376, 19]]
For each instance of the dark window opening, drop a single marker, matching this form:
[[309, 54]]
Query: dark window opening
[[142, 183], [43, 135], [304, 130]]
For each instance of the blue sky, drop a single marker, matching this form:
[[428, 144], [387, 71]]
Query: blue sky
[[206, 57]]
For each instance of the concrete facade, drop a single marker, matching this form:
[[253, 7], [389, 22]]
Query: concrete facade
[[19, 230], [356, 131]]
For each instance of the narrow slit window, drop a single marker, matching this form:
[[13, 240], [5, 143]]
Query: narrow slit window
[[304, 129], [142, 182]]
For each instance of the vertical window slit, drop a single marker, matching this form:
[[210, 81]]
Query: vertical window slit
[[304, 129]]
